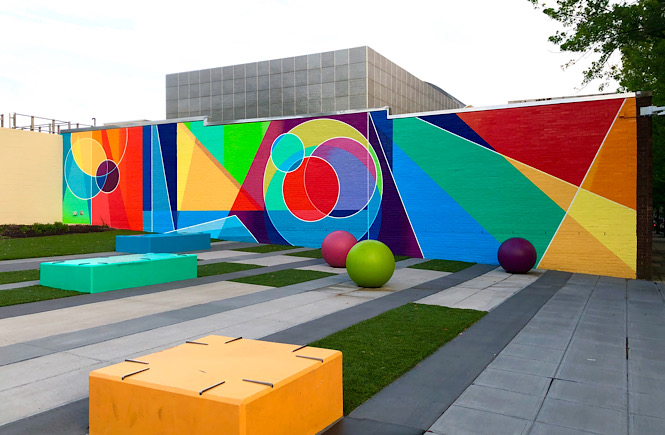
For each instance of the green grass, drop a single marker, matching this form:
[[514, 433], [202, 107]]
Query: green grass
[[220, 268], [377, 351], [69, 244], [32, 293], [443, 265], [263, 249], [19, 276], [314, 253], [283, 277], [400, 257]]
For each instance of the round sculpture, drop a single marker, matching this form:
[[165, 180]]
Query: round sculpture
[[336, 246], [517, 255], [370, 263]]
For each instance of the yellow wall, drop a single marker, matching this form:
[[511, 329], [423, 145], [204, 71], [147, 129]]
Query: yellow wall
[[30, 177]]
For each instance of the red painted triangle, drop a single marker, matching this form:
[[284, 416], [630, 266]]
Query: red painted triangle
[[245, 202]]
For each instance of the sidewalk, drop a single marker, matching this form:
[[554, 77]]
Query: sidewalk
[[550, 357]]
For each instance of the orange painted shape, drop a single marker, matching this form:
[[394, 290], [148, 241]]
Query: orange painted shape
[[558, 190], [574, 249], [613, 174], [208, 186], [169, 398]]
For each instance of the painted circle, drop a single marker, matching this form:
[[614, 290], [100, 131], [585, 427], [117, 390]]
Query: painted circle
[[311, 191], [287, 152], [336, 246], [355, 167], [107, 176], [88, 155], [370, 263], [517, 255]]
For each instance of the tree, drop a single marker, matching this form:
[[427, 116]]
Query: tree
[[632, 31], [627, 39]]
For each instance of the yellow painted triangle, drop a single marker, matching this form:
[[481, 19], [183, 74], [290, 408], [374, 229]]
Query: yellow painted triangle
[[559, 191], [610, 223], [574, 249], [185, 148], [614, 171], [208, 185]]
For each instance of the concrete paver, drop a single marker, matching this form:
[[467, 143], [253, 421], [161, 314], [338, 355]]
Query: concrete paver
[[563, 370]]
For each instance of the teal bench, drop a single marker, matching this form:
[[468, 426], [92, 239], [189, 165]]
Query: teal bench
[[94, 275]]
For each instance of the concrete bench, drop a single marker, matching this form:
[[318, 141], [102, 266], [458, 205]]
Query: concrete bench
[[94, 275], [171, 242]]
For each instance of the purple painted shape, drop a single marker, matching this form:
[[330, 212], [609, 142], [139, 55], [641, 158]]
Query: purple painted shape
[[396, 230], [351, 146], [107, 176], [352, 175]]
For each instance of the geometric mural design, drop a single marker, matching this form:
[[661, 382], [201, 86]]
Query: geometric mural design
[[449, 185]]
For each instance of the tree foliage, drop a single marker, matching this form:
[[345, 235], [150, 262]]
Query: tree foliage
[[627, 40], [635, 31]]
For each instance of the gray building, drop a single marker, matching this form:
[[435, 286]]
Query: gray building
[[349, 79]]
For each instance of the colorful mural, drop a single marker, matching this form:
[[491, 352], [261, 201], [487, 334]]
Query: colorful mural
[[452, 185]]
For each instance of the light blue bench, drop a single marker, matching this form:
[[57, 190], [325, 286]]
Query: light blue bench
[[171, 242]]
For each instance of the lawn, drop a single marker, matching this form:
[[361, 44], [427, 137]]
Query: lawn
[[314, 253], [221, 268], [442, 265], [264, 249], [379, 350], [69, 244], [33, 293], [283, 278], [19, 276]]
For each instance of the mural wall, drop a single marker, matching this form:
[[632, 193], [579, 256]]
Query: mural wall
[[451, 186]]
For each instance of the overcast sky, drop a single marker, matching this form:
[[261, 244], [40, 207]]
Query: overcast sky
[[75, 60]]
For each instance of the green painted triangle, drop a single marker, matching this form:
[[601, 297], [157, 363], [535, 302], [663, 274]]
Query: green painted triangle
[[483, 182]]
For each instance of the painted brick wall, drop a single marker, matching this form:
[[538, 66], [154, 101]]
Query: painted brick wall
[[453, 185]]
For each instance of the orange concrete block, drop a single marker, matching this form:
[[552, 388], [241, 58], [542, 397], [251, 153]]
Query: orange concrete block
[[219, 385]]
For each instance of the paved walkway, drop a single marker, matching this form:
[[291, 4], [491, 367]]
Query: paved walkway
[[550, 357]]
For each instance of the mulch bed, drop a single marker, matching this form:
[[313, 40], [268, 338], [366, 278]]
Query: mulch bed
[[23, 231]]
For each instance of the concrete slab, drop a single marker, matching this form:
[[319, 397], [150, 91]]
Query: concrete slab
[[460, 420], [500, 401], [589, 394], [583, 417], [273, 260], [512, 381], [645, 425]]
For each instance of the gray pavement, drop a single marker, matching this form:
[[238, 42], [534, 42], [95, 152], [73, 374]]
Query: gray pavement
[[557, 352]]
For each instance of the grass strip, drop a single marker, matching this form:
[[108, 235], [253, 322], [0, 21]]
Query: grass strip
[[221, 268], [442, 265], [314, 253], [263, 249], [400, 257], [282, 278], [379, 350], [33, 293], [68, 244], [19, 276]]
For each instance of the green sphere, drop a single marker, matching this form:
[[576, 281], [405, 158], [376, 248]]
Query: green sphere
[[370, 263]]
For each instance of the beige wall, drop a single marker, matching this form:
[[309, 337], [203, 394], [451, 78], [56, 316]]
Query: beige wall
[[30, 177]]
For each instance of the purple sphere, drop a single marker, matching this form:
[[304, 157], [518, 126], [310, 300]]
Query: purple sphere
[[517, 255], [336, 246]]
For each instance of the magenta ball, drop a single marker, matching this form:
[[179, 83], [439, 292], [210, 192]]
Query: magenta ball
[[336, 246], [517, 255]]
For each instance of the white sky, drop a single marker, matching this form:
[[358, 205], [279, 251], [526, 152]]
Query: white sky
[[75, 60]]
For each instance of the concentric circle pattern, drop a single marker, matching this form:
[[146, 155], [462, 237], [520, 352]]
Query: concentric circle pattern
[[331, 182]]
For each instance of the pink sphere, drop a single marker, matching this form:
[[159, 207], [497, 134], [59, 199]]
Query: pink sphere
[[336, 246]]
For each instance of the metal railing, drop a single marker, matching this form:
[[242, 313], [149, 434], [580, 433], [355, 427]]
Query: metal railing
[[27, 122]]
